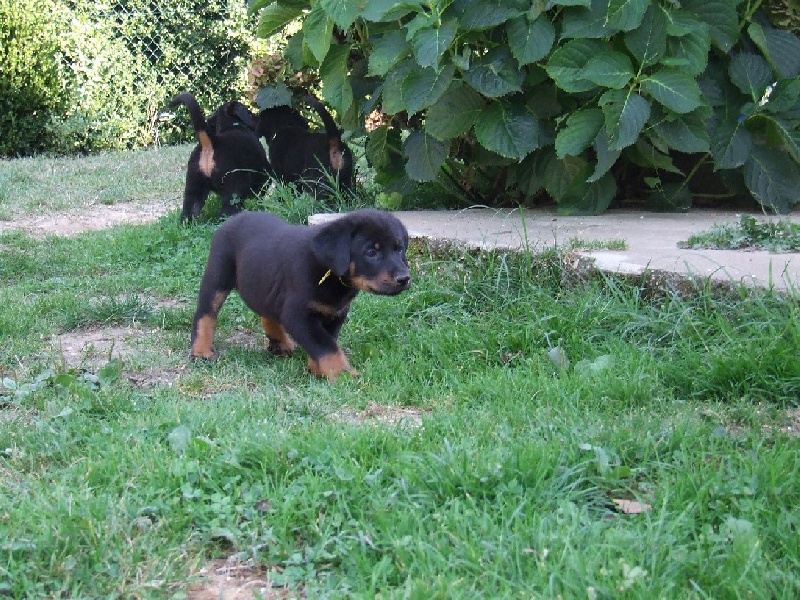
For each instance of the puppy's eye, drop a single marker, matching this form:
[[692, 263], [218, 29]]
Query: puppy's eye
[[371, 253]]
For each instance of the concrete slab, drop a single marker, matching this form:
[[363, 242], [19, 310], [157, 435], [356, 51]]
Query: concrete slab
[[651, 240]]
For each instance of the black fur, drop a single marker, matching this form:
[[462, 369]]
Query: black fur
[[229, 158], [301, 280], [297, 154]]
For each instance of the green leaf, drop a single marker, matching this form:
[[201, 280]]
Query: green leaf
[[781, 48], [692, 47], [384, 11], [455, 112], [387, 51], [785, 98], [648, 42], [644, 154], [585, 3], [343, 12], [423, 87], [773, 178], [508, 129], [274, 18], [625, 114], [579, 132], [495, 74], [721, 17], [179, 438], [674, 89], [383, 149], [731, 144], [425, 154], [625, 15], [274, 95], [788, 133], [392, 91], [567, 63], [335, 84], [485, 14], [430, 44], [565, 181], [586, 23], [609, 69], [751, 74], [684, 133], [530, 42], [317, 32], [606, 156]]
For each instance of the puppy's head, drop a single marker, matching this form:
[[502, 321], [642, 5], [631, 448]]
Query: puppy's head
[[367, 250], [230, 115], [275, 119]]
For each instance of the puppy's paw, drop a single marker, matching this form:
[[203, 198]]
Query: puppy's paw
[[331, 366], [209, 355], [281, 347]]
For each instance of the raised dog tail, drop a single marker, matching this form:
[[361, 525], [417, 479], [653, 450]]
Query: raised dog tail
[[199, 122], [336, 147]]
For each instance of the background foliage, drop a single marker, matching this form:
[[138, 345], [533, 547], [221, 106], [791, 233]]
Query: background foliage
[[584, 101], [30, 87], [80, 76]]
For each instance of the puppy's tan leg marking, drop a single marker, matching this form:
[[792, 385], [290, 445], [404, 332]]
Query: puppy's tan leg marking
[[331, 366], [203, 345], [204, 339], [206, 162], [335, 156], [218, 301], [279, 342]]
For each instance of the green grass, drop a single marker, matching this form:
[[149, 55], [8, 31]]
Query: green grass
[[749, 233], [121, 477], [44, 185]]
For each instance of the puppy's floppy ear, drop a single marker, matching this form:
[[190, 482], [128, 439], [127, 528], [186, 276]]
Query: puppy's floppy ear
[[331, 245], [237, 110]]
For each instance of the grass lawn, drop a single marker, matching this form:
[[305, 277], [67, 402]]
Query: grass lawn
[[506, 407]]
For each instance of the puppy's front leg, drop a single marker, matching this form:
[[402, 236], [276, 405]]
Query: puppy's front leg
[[325, 357]]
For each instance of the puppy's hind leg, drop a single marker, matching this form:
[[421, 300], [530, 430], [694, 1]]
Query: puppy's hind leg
[[279, 341], [194, 198]]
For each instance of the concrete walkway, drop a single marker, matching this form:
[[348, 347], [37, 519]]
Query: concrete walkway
[[651, 240]]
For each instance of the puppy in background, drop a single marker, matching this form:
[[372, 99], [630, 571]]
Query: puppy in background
[[301, 280], [298, 154], [229, 158]]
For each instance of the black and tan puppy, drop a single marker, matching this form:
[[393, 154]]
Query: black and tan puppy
[[298, 154], [229, 158], [301, 280]]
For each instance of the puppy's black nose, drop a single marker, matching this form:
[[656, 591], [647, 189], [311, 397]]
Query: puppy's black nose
[[403, 280]]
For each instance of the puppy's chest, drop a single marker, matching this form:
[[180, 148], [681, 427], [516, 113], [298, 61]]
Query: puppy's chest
[[330, 308]]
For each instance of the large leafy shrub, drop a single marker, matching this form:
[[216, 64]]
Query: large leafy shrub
[[30, 76], [582, 100]]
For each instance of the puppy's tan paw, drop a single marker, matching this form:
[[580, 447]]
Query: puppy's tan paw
[[331, 366]]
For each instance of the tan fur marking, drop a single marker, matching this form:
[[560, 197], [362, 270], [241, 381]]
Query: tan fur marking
[[326, 310], [331, 366], [335, 156], [206, 162], [204, 341], [218, 301], [279, 340]]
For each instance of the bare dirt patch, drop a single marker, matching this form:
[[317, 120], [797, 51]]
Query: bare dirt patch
[[91, 218], [232, 580], [380, 414], [93, 347]]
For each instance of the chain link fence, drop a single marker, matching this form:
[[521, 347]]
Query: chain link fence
[[200, 46]]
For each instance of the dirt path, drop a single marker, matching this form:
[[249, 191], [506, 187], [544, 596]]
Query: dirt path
[[91, 218]]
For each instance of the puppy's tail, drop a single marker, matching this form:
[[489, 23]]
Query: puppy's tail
[[201, 128], [336, 147]]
